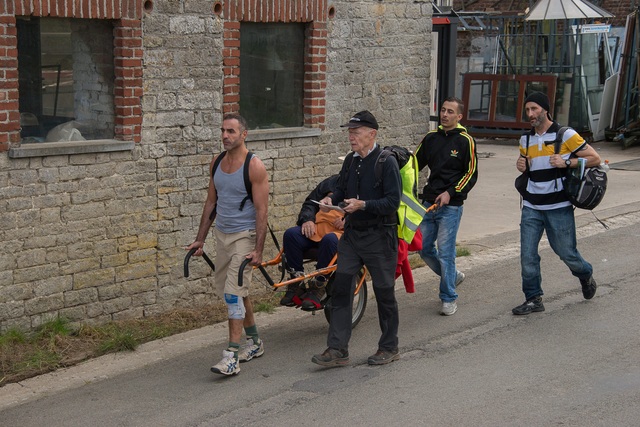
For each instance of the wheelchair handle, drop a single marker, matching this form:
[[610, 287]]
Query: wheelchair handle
[[188, 257], [260, 267]]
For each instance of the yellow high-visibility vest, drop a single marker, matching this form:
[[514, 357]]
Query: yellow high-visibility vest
[[411, 211]]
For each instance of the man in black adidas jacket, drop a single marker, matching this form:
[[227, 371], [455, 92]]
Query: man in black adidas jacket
[[450, 154], [370, 238]]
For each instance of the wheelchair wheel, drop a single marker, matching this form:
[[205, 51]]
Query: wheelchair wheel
[[359, 303]]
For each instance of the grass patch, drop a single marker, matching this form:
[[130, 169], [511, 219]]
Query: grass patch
[[60, 343], [462, 251], [12, 336], [268, 304], [118, 340], [53, 328]]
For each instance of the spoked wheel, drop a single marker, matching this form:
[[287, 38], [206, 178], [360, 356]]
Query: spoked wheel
[[359, 302]]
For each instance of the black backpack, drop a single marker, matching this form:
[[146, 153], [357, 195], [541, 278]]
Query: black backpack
[[588, 192], [584, 192]]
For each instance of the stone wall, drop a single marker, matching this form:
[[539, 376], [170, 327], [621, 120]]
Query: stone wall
[[101, 236]]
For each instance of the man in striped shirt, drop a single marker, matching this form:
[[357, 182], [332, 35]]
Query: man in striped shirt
[[545, 206]]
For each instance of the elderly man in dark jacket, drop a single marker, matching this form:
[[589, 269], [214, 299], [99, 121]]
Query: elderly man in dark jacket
[[370, 238]]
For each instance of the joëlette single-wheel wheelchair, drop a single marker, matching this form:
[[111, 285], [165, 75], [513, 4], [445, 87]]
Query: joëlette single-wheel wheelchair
[[277, 267]]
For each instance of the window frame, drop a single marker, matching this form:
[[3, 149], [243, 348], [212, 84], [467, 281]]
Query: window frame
[[272, 74], [128, 90], [315, 54]]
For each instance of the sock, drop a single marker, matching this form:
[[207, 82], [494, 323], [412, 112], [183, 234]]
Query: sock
[[252, 332], [234, 347]]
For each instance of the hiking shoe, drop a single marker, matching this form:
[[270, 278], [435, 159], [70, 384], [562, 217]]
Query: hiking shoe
[[250, 350], [382, 357], [448, 308], [588, 287], [228, 365], [292, 295], [532, 305], [459, 277], [312, 300], [331, 357]]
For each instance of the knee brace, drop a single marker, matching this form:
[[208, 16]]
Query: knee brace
[[235, 306]]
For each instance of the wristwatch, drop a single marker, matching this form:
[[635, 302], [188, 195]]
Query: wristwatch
[[568, 163]]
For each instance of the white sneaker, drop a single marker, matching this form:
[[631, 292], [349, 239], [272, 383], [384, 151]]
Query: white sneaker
[[448, 308], [250, 350], [228, 365], [459, 277]]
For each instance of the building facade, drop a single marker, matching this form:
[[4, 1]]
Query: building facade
[[111, 113]]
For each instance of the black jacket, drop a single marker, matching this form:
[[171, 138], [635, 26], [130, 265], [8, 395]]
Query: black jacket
[[357, 181], [310, 209], [453, 164]]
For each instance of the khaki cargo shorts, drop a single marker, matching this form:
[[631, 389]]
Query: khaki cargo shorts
[[231, 250]]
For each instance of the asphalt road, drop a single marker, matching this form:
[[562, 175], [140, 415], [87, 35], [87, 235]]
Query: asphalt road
[[576, 364]]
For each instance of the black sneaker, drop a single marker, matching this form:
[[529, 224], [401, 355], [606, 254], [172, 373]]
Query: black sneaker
[[589, 287], [382, 357], [331, 357], [532, 305]]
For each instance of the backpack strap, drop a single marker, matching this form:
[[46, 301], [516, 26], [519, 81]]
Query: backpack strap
[[377, 169], [345, 172], [213, 172], [562, 173], [217, 163], [558, 141], [526, 153], [247, 181]]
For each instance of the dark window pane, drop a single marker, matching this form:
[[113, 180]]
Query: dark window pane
[[272, 74], [66, 79]]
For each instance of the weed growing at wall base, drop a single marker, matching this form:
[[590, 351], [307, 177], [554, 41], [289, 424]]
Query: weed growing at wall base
[[59, 343]]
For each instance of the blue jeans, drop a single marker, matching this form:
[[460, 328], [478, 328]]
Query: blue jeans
[[442, 225], [295, 244], [560, 226]]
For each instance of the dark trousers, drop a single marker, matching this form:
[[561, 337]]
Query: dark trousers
[[377, 248], [295, 244]]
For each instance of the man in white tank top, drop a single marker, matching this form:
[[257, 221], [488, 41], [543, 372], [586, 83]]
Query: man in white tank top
[[241, 228]]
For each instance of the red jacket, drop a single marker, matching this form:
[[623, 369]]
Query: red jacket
[[403, 267]]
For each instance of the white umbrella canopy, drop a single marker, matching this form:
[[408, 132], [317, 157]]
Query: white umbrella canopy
[[565, 9]]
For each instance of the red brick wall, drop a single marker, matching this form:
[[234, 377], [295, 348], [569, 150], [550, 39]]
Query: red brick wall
[[619, 8], [126, 15], [312, 12], [9, 114]]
